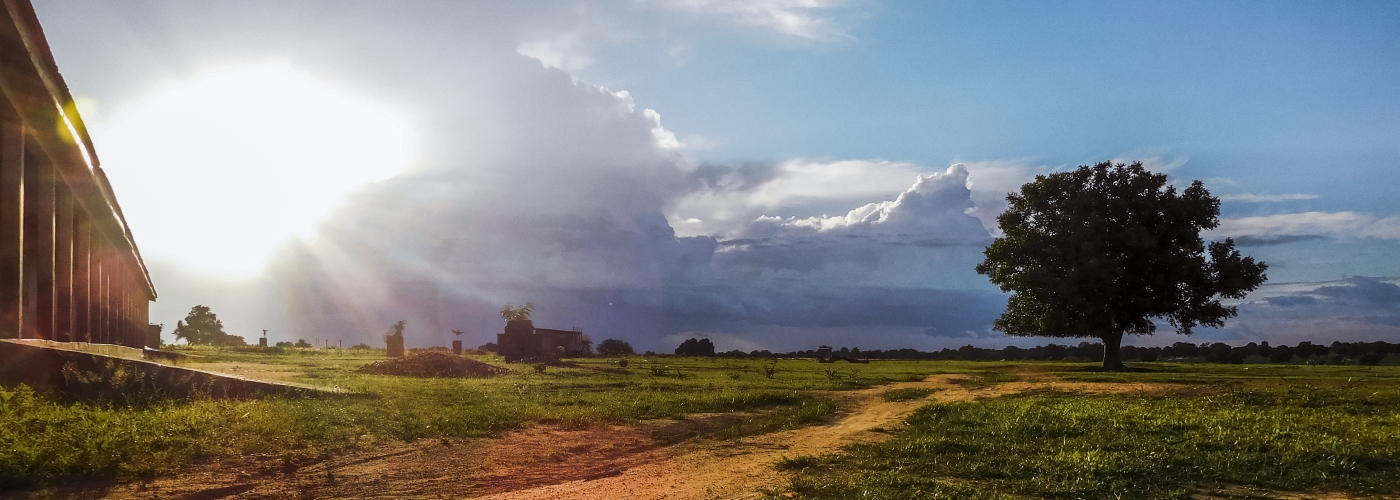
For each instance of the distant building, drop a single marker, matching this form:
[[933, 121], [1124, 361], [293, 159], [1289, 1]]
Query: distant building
[[69, 267], [522, 340]]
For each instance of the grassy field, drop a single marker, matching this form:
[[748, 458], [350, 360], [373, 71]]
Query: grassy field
[[1245, 430], [1267, 427], [45, 442]]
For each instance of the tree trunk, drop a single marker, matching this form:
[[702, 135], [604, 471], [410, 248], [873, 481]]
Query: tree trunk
[[1112, 361]]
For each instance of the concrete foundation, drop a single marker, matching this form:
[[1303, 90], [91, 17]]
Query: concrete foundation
[[75, 373]]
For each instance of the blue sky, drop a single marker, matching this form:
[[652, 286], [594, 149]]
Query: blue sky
[[1289, 97], [654, 170]]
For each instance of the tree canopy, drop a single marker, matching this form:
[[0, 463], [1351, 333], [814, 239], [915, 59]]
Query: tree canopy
[[615, 347], [397, 329], [517, 313], [202, 326], [693, 347], [1104, 251]]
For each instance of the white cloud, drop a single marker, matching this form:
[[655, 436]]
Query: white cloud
[[564, 53], [796, 187], [934, 207], [1336, 224], [799, 18], [1154, 163], [1264, 198]]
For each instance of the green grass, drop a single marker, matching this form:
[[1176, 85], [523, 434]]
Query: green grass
[[907, 394], [984, 379], [1058, 445], [45, 441], [1268, 426]]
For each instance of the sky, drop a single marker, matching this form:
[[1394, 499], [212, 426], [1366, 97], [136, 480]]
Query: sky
[[771, 174]]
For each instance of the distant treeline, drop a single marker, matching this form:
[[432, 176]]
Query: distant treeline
[[1366, 353]]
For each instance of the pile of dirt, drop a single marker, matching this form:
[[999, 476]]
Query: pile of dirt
[[433, 364]]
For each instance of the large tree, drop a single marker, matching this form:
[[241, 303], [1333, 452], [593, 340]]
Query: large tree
[[1106, 250], [202, 326], [615, 347]]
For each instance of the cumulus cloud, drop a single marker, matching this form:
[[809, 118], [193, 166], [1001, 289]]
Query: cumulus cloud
[[559, 52], [441, 250], [934, 209], [727, 197]]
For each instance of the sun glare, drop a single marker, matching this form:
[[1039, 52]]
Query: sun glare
[[218, 170]]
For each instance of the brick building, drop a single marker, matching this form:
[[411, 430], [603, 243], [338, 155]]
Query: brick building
[[522, 340], [69, 267]]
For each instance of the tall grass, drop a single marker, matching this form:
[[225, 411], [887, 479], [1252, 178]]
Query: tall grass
[[1058, 445]]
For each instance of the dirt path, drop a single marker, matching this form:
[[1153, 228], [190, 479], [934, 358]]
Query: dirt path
[[741, 468], [552, 463]]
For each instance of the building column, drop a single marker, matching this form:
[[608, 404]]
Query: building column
[[109, 334], [11, 222], [63, 263], [104, 300], [119, 303], [82, 272], [38, 239], [98, 290]]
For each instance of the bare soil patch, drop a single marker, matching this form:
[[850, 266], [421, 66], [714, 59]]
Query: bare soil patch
[[433, 364], [544, 456]]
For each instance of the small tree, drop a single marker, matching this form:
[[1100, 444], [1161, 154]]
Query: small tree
[[398, 329], [614, 347], [519, 313], [201, 326], [1102, 251]]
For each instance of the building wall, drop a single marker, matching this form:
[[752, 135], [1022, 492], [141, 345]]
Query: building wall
[[522, 340], [69, 268]]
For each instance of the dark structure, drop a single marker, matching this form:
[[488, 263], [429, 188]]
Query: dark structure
[[69, 268], [522, 340]]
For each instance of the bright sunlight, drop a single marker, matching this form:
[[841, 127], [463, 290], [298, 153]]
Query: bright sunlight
[[217, 171]]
